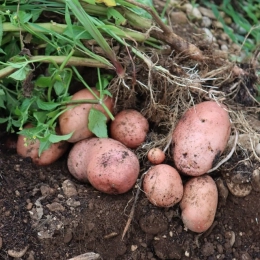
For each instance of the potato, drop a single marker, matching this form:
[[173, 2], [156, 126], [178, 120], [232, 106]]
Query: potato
[[30, 148], [107, 164], [163, 185], [199, 203], [129, 127], [156, 156], [76, 118], [200, 137]]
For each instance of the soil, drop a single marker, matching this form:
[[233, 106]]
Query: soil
[[45, 213]]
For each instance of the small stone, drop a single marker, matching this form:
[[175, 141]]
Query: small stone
[[220, 249], [179, 18], [207, 249], [67, 236], [17, 167], [55, 206], [72, 203], [224, 47], [29, 206], [208, 35], [69, 188], [217, 25], [206, 22], [257, 149], [133, 247], [45, 190], [239, 177], [222, 190], [192, 12], [256, 180], [245, 256], [207, 12], [239, 190]]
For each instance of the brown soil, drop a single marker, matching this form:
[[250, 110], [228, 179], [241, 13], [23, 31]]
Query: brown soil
[[37, 215]]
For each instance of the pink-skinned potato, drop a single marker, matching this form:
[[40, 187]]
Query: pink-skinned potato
[[200, 137], [30, 148], [163, 186], [108, 165], [199, 203], [129, 127], [75, 119]]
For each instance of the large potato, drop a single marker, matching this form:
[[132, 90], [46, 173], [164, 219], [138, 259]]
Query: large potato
[[129, 127], [30, 148], [75, 119], [200, 137], [106, 163], [163, 186], [199, 203]]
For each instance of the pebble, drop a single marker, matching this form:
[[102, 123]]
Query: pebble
[[208, 35], [55, 206], [73, 203], [67, 236], [207, 12], [192, 12], [207, 249], [206, 22], [17, 254], [256, 180], [45, 190], [257, 149], [245, 256], [239, 190], [222, 190], [217, 25], [69, 188], [133, 247], [240, 177], [179, 18]]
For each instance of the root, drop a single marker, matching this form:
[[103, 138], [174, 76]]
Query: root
[[170, 37], [132, 212], [228, 156]]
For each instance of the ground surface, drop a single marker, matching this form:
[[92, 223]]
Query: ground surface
[[50, 215]]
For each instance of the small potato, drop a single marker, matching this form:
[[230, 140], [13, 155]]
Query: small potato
[[199, 203], [30, 148], [130, 128], [107, 164], [163, 186], [200, 137], [156, 156], [76, 118]]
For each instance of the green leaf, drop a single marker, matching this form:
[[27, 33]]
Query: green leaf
[[113, 13], [20, 74], [11, 49], [44, 145], [40, 116], [24, 17], [43, 81], [1, 31], [97, 123], [78, 33], [3, 120], [46, 105], [57, 138]]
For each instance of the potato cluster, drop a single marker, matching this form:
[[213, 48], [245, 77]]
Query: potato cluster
[[111, 166]]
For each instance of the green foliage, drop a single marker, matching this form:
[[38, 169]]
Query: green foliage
[[245, 16]]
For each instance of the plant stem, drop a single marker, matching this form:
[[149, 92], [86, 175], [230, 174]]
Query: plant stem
[[73, 61]]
